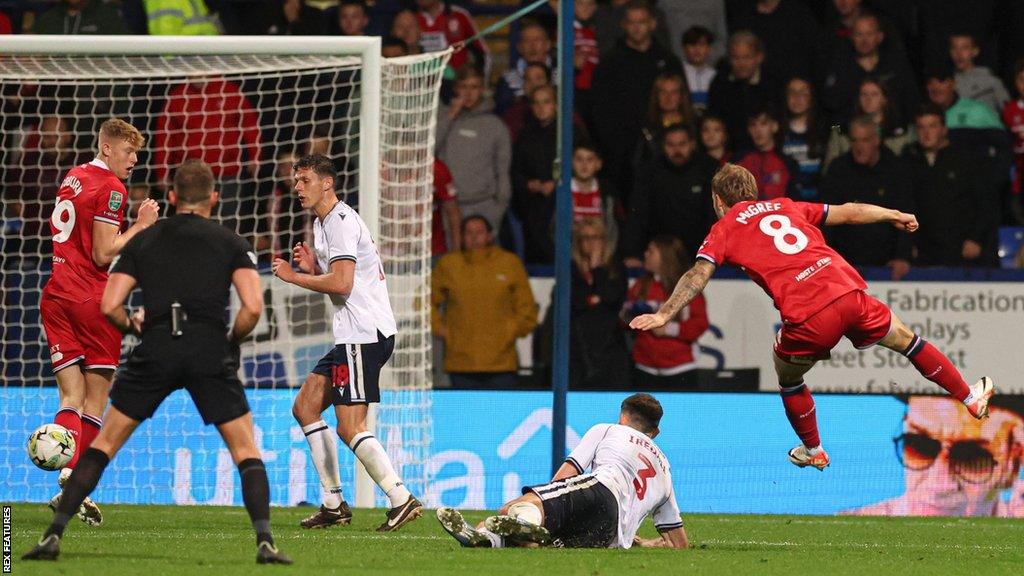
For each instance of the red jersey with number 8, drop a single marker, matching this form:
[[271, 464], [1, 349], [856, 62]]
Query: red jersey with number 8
[[779, 244], [89, 193]]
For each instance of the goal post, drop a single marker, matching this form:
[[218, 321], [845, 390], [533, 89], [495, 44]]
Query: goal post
[[374, 117]]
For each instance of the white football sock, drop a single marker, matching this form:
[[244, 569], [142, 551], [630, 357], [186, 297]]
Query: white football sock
[[324, 449], [378, 466], [526, 512], [496, 541], [814, 451]]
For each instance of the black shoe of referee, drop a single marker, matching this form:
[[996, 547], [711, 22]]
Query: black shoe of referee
[[47, 549], [266, 553], [401, 515], [325, 517]]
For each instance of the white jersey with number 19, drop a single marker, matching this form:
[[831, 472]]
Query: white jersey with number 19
[[632, 466], [342, 235]]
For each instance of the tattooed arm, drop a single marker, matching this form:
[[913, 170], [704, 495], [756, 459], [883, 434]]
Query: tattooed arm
[[689, 286]]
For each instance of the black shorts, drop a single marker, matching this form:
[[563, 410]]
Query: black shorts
[[354, 370], [580, 511], [202, 361]]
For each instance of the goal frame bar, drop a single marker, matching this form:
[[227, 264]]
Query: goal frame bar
[[366, 47]]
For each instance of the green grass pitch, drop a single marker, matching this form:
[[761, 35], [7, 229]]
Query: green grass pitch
[[171, 540]]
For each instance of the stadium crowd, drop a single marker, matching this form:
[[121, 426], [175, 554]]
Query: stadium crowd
[[915, 105]]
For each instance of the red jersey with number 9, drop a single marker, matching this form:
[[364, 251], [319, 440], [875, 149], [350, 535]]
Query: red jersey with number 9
[[89, 193], [779, 245]]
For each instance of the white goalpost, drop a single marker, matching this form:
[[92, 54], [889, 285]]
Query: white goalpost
[[248, 106]]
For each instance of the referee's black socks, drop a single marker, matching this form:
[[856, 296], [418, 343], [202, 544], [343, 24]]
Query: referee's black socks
[[256, 495], [81, 483]]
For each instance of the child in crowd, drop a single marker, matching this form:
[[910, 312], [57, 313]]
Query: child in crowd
[[697, 66], [714, 138], [593, 197], [975, 82], [774, 171]]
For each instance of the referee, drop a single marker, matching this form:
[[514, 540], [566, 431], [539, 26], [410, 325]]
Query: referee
[[185, 266]]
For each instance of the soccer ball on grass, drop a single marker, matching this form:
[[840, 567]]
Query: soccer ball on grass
[[51, 446]]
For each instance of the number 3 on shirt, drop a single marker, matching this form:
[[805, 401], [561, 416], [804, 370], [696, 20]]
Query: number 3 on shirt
[[63, 209], [640, 482], [783, 232]]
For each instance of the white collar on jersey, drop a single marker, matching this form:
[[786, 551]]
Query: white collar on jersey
[[100, 163]]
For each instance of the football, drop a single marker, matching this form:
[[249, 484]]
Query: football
[[51, 446]]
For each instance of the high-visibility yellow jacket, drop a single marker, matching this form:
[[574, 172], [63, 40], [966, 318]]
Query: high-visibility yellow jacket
[[180, 18]]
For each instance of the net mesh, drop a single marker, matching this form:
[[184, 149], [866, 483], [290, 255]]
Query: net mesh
[[249, 117]]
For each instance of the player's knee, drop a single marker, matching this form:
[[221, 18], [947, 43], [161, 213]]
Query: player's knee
[[347, 431]]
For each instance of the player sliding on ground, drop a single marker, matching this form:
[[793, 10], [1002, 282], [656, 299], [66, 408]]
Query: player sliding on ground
[[630, 479], [820, 296], [84, 348], [345, 265]]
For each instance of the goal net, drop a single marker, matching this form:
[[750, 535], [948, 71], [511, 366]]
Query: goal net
[[249, 108]]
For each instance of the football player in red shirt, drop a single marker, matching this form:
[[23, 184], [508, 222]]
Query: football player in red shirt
[[820, 296], [84, 347]]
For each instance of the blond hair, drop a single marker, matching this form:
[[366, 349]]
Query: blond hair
[[117, 129], [582, 262], [734, 184]]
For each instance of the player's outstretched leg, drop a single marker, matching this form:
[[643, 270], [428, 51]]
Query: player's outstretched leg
[[517, 531], [81, 483], [453, 523], [313, 398], [802, 414], [935, 366]]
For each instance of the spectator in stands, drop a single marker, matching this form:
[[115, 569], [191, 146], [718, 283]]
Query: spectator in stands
[[180, 18], [957, 211], [1013, 116], [391, 47], [353, 17], [776, 173], [870, 173], [475, 145], [535, 76], [593, 197], [279, 222], [697, 65], [30, 187], [481, 303], [406, 27], [682, 15], [746, 87], [940, 19], [665, 357], [211, 119], [838, 28], [975, 82], [5, 24], [534, 47], [442, 25], [960, 112], [672, 196], [296, 18], [622, 84], [608, 26], [866, 56], [872, 101], [792, 37], [597, 349], [586, 57], [714, 138], [669, 105], [533, 181], [447, 219], [804, 136], [80, 17]]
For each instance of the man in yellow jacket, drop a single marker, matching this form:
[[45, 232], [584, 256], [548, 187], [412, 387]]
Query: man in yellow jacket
[[481, 303], [180, 18]]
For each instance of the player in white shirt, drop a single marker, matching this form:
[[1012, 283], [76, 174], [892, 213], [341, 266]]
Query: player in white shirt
[[344, 264], [629, 480]]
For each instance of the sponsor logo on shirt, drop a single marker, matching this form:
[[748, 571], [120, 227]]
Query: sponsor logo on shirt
[[115, 201]]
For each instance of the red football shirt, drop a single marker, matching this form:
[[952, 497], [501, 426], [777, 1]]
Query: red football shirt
[[454, 24], [780, 246], [586, 204], [444, 191], [89, 193]]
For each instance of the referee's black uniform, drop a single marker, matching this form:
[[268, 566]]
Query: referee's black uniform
[[188, 260]]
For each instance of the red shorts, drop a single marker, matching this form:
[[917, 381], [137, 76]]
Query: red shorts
[[78, 332], [855, 315]]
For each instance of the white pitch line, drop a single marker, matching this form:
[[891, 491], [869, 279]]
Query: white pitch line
[[785, 544], [862, 520]]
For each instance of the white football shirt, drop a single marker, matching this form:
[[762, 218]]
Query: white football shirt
[[342, 235], [632, 466]]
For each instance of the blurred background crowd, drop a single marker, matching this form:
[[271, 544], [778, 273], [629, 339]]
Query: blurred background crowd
[[910, 104]]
